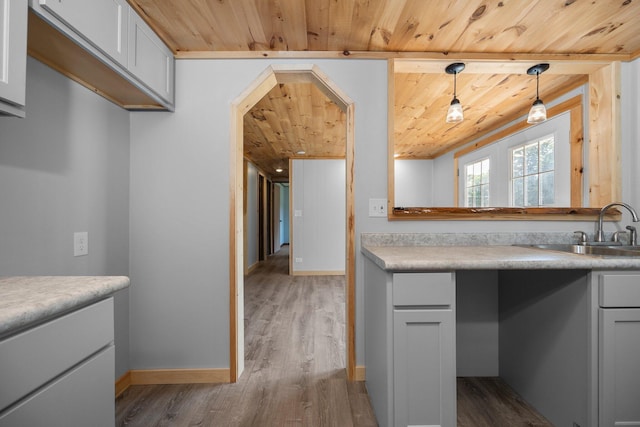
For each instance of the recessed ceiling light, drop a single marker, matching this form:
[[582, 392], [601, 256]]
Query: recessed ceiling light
[[301, 152], [279, 170]]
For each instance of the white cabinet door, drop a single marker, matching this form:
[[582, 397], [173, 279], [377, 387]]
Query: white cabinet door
[[619, 367], [424, 368], [103, 23], [13, 56], [149, 58]]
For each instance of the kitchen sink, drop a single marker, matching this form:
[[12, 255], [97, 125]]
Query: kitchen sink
[[597, 250]]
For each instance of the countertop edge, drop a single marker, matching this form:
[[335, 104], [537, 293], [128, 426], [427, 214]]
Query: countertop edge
[[31, 300], [493, 257]]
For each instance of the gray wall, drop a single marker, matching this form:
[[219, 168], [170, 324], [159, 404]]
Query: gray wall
[[179, 203], [252, 231], [65, 168], [180, 193], [413, 182], [318, 232], [630, 101]]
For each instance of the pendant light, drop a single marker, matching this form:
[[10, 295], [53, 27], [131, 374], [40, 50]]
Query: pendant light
[[538, 112], [454, 114]]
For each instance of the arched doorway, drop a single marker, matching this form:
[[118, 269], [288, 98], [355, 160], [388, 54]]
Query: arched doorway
[[273, 75]]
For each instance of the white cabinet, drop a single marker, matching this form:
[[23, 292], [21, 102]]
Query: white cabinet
[[61, 372], [106, 46], [410, 347], [13, 56], [103, 22], [619, 349], [424, 368], [149, 58]]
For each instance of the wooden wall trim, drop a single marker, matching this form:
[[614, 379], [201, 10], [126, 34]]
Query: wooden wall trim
[[179, 376], [604, 136], [123, 383], [391, 114], [350, 263], [291, 249], [319, 273], [361, 373]]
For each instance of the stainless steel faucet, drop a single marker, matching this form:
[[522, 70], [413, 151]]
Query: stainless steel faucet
[[600, 233]]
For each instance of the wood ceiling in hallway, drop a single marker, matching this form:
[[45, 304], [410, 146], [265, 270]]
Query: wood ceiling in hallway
[[437, 32], [294, 120]]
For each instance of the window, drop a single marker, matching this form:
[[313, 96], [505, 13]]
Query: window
[[529, 168], [532, 173], [476, 187]]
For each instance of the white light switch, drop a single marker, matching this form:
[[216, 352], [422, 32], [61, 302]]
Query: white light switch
[[377, 207], [80, 243], [297, 213]]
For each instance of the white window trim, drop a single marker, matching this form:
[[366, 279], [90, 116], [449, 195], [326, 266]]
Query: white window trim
[[464, 180], [498, 153]]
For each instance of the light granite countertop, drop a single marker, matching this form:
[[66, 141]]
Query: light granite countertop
[[408, 258], [26, 300], [480, 251]]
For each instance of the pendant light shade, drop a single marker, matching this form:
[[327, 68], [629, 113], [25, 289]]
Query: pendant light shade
[[455, 114], [538, 112]]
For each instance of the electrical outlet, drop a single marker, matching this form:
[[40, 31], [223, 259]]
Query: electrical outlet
[[80, 243], [377, 207]]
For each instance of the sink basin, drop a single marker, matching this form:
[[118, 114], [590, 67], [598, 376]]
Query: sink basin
[[599, 250]]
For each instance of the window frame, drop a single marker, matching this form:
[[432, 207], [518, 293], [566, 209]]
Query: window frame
[[465, 180]]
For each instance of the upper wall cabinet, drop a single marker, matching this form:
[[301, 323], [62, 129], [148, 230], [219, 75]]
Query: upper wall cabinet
[[13, 56], [102, 22], [149, 58], [105, 46]]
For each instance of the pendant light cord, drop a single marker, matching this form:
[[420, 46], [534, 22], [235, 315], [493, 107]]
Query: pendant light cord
[[455, 79]]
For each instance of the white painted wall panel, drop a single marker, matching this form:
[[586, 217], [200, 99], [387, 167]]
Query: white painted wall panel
[[319, 221], [413, 184]]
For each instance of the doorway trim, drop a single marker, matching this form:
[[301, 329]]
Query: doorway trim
[[268, 79]]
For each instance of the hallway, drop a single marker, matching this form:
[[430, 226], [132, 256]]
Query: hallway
[[294, 364]]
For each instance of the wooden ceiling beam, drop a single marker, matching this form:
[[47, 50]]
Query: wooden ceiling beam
[[442, 56], [559, 67]]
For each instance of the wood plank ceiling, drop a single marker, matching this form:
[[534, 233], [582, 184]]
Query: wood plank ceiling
[[296, 118]]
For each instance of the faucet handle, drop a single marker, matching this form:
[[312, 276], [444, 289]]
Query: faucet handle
[[616, 236], [633, 235], [582, 235]]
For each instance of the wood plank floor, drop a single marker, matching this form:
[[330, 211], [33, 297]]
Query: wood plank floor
[[490, 402], [294, 373], [295, 364]]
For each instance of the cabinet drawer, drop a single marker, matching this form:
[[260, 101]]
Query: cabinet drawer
[[423, 289], [82, 397], [619, 290], [38, 355]]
